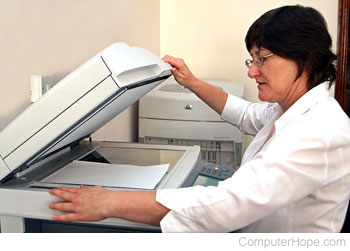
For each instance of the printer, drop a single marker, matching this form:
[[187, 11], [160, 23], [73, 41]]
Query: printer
[[173, 115], [49, 145]]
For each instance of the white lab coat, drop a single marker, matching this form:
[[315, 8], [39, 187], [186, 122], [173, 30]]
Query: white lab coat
[[294, 177]]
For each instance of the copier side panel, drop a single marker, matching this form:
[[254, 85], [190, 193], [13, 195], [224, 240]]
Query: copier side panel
[[52, 104], [91, 122], [62, 123]]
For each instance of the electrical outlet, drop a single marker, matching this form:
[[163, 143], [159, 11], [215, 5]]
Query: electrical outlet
[[39, 85]]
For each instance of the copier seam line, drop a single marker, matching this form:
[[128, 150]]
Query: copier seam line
[[110, 72], [46, 185], [183, 120], [3, 160]]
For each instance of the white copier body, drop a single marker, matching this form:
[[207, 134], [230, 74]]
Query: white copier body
[[52, 133], [80, 104], [171, 114]]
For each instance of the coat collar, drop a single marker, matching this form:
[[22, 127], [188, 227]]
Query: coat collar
[[303, 104]]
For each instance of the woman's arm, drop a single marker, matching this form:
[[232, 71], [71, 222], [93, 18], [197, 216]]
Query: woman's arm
[[97, 203], [211, 95]]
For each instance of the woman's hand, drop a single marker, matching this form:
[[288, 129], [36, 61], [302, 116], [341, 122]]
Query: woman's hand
[[97, 203], [83, 204], [212, 96], [181, 72]]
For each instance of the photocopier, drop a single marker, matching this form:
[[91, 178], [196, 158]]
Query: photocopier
[[49, 145]]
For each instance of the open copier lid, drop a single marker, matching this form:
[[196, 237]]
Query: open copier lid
[[80, 104]]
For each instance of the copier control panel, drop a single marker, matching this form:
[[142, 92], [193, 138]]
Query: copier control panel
[[208, 174]]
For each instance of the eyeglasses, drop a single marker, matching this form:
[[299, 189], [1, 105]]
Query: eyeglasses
[[258, 60]]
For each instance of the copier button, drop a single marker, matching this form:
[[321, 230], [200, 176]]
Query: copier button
[[224, 169]]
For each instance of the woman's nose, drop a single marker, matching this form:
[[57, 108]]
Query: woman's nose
[[253, 71]]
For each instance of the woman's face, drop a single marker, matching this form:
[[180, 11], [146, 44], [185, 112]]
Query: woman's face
[[275, 78]]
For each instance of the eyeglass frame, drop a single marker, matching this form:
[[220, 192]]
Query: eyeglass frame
[[260, 62]]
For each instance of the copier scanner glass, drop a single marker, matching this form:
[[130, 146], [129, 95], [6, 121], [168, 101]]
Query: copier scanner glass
[[131, 168]]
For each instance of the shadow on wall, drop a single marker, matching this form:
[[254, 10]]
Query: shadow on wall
[[3, 122], [5, 119]]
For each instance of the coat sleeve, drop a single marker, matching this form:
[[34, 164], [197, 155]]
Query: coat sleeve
[[293, 167], [248, 117]]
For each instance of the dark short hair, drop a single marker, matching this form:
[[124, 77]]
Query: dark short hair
[[300, 34]]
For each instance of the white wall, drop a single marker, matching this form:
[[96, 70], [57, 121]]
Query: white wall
[[210, 35], [56, 36]]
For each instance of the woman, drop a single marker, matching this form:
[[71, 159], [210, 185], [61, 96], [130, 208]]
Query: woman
[[294, 175]]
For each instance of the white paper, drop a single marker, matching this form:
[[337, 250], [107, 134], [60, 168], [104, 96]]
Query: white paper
[[114, 175]]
